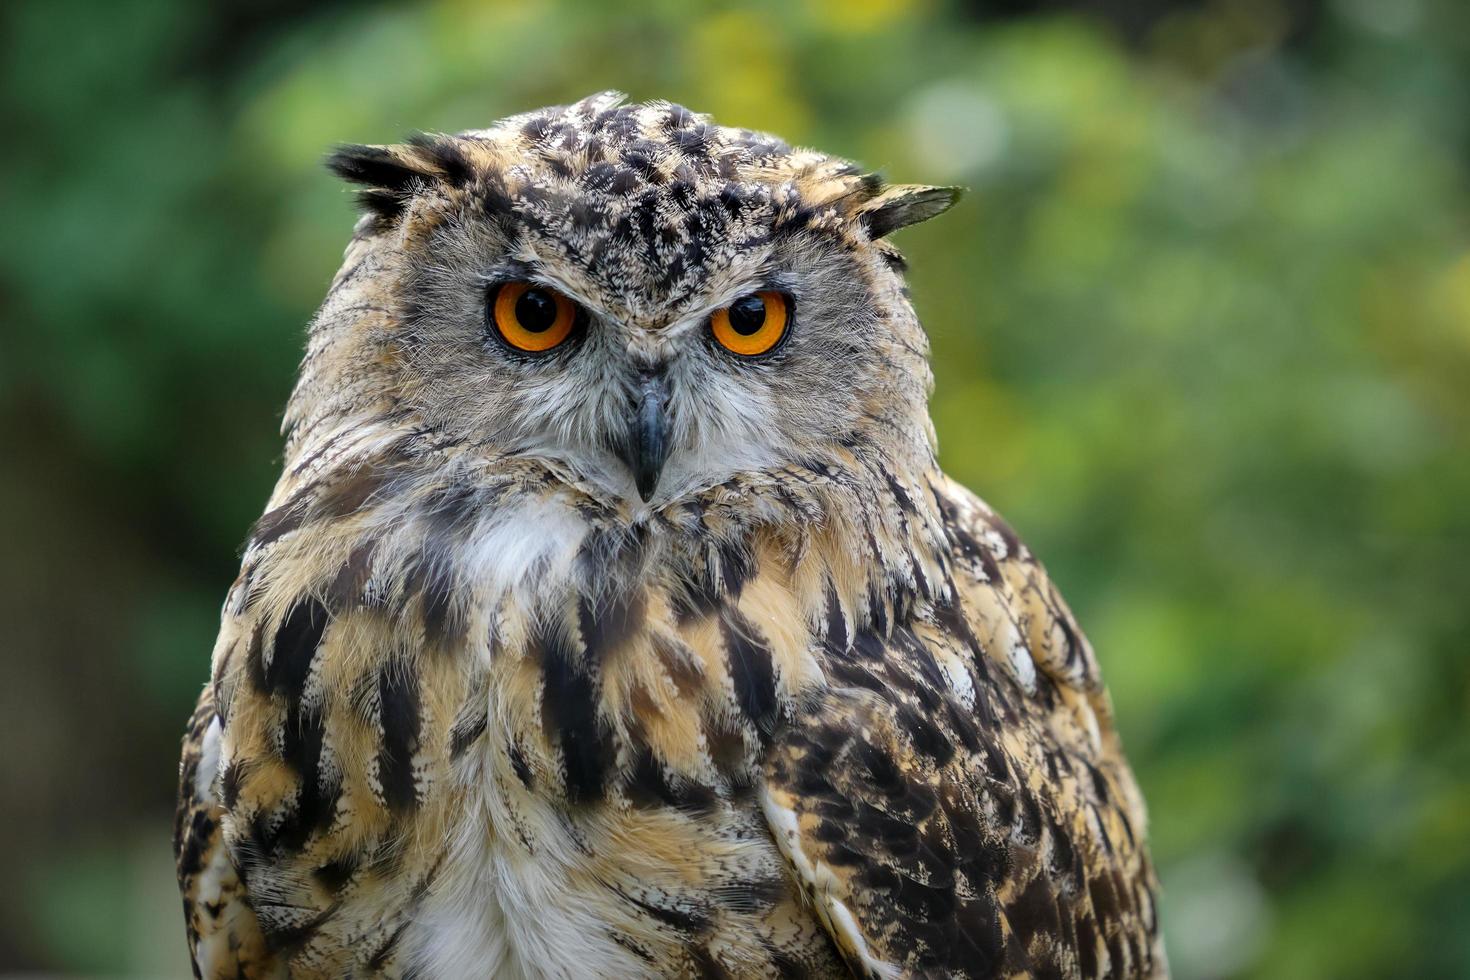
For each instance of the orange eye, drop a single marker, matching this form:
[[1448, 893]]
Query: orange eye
[[532, 318], [752, 325]]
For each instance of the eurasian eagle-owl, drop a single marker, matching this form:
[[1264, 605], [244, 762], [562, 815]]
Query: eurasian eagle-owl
[[612, 617]]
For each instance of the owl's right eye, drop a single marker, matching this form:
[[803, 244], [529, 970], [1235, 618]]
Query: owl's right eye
[[531, 318]]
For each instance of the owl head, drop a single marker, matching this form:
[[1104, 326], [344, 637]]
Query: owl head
[[647, 302]]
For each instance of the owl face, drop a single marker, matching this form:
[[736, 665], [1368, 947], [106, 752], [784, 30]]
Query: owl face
[[647, 302]]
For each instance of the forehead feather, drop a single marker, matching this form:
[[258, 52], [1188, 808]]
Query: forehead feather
[[651, 203]]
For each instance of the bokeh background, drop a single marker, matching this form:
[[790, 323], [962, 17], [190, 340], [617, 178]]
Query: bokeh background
[[1201, 330]]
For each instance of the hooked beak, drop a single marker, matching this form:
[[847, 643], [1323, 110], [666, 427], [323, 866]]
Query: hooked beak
[[647, 447]]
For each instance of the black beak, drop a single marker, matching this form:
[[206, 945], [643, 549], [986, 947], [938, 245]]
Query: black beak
[[648, 435]]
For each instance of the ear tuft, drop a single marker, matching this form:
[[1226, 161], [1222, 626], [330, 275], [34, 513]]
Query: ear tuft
[[445, 154], [906, 204], [391, 174]]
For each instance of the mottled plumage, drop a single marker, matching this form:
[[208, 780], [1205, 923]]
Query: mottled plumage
[[479, 708]]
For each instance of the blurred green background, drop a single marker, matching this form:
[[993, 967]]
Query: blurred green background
[[1201, 330]]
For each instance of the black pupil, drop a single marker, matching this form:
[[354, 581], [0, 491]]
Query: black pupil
[[535, 310], [747, 314]]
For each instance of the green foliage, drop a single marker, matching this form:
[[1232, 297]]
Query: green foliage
[[1201, 330]]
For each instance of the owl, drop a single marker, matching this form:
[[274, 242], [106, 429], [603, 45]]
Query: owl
[[613, 618]]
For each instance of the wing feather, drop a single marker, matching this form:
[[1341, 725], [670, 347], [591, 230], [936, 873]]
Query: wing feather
[[225, 940], [958, 803]]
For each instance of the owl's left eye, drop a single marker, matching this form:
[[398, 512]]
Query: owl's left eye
[[752, 325], [530, 317]]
